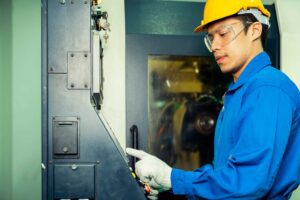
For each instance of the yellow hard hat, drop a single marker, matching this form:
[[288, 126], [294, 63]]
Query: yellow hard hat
[[218, 9]]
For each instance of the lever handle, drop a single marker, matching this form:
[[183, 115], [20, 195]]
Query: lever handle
[[134, 131]]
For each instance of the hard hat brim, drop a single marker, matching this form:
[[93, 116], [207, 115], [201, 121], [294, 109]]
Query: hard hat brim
[[199, 28]]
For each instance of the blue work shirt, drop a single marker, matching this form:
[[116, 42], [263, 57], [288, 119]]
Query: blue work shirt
[[257, 140]]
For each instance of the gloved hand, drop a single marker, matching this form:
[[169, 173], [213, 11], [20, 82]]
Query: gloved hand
[[153, 194], [152, 171]]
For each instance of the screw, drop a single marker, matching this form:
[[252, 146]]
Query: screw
[[72, 85], [85, 85], [74, 167], [72, 2], [85, 2], [51, 69], [72, 55], [65, 149], [85, 55], [43, 166]]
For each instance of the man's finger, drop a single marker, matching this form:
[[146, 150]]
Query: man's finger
[[136, 153], [153, 184], [154, 192], [152, 197]]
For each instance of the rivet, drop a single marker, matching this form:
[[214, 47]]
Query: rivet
[[65, 149], [74, 167]]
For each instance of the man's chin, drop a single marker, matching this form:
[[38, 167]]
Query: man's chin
[[225, 70]]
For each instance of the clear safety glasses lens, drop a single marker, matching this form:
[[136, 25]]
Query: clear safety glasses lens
[[207, 43], [223, 36]]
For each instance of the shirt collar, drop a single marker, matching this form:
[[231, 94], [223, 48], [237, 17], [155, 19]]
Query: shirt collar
[[256, 64]]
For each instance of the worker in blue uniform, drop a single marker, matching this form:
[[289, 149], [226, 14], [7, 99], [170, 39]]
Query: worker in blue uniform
[[257, 136]]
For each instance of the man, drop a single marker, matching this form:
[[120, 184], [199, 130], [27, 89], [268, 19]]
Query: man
[[257, 137]]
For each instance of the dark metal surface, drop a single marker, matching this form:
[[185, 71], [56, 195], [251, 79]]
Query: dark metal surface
[[44, 92], [74, 186], [65, 137], [162, 17], [82, 158], [66, 22], [79, 70], [113, 179]]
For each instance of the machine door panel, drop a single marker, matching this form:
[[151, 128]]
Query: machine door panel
[[81, 157]]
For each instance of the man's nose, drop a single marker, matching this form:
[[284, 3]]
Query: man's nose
[[215, 44]]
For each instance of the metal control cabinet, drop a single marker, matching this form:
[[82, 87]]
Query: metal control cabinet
[[81, 157]]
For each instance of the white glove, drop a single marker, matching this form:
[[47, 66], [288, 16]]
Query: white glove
[[152, 170], [153, 194]]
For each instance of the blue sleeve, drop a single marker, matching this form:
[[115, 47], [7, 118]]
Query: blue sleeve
[[262, 132]]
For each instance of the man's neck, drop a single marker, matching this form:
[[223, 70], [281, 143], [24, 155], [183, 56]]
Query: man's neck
[[252, 55]]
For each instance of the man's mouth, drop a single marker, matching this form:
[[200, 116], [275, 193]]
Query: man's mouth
[[220, 59]]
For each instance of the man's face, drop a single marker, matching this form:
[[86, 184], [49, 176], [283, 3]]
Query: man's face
[[230, 45]]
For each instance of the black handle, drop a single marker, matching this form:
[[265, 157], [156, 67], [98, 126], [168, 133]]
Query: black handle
[[134, 142]]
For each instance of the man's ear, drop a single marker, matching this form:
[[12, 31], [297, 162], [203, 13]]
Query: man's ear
[[255, 30]]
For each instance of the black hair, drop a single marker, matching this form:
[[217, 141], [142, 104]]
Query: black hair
[[248, 19]]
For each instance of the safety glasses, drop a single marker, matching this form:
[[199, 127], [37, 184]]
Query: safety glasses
[[223, 35]]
